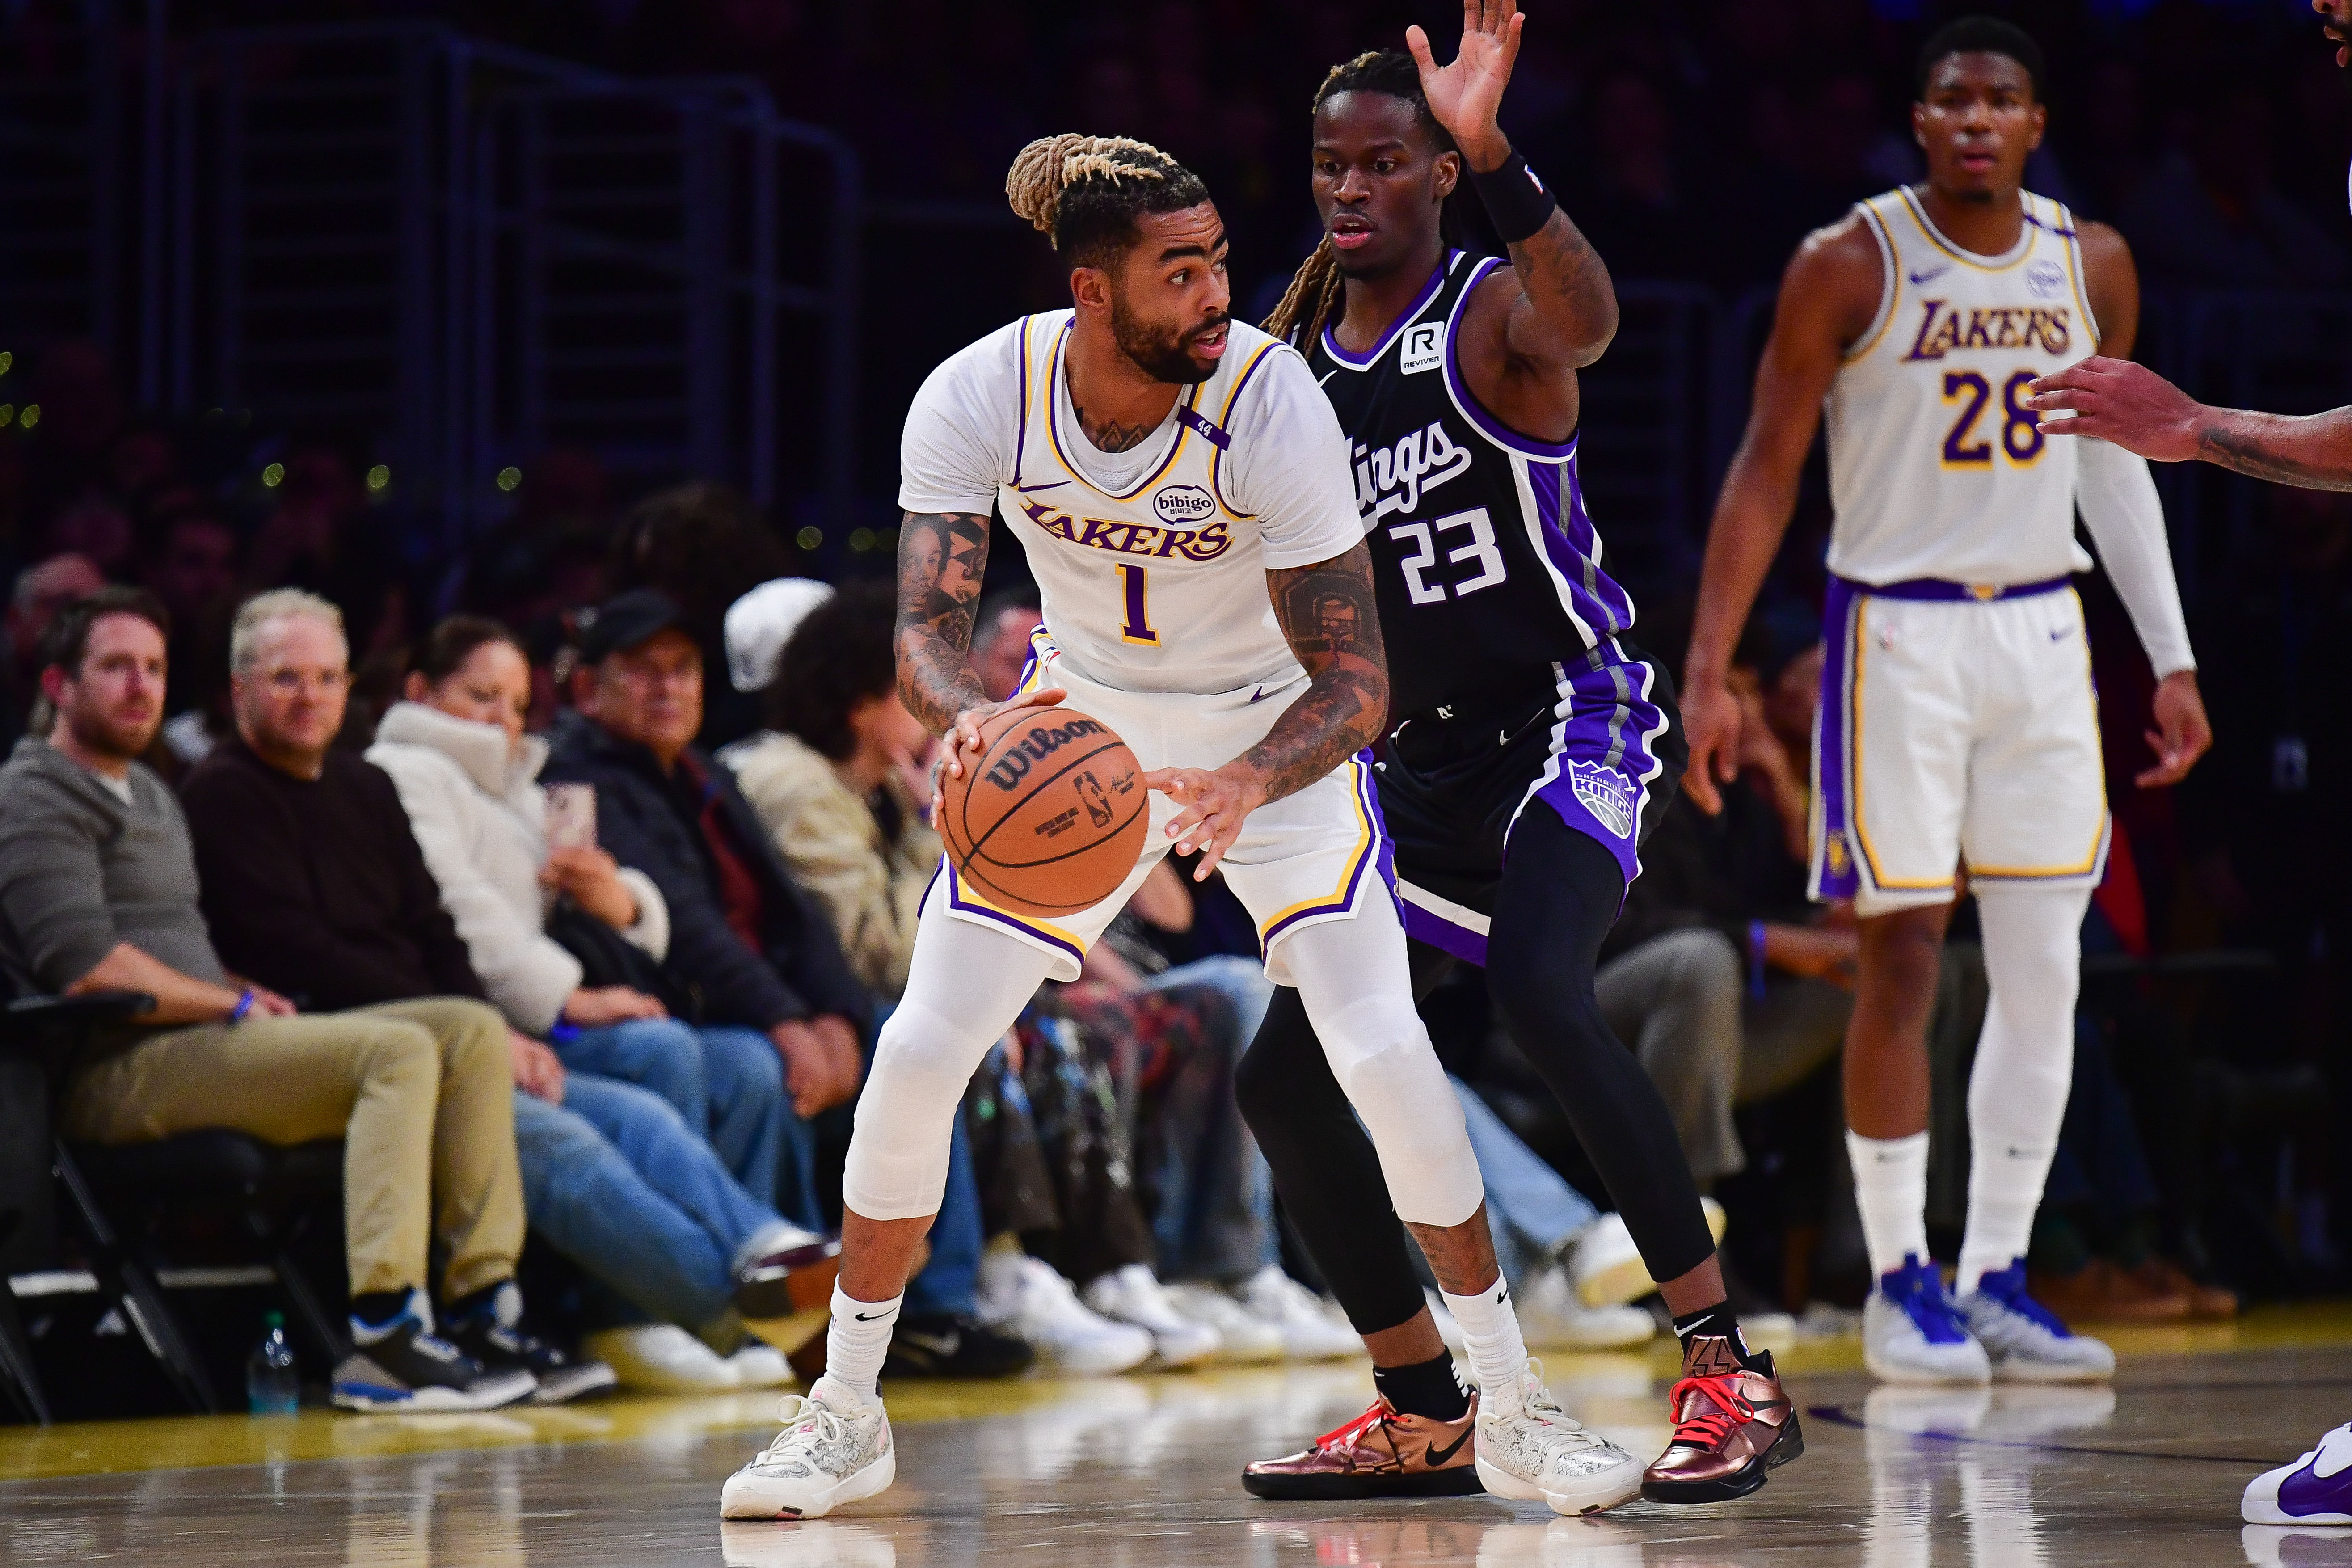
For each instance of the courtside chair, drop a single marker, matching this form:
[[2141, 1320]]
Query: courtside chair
[[124, 1196]]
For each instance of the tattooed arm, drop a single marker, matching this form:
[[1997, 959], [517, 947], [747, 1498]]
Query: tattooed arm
[[941, 558], [2141, 412], [1525, 333], [1327, 614]]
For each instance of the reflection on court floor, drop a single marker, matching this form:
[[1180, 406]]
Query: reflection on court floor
[[1142, 1472]]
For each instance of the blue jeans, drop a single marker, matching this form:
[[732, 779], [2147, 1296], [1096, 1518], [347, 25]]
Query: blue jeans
[[1530, 1209], [1244, 983], [728, 1084], [950, 1279], [616, 1180]]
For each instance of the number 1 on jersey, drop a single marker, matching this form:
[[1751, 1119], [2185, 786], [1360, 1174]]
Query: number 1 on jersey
[[1135, 587]]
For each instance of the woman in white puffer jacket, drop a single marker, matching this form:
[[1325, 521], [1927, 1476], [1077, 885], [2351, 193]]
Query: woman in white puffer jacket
[[466, 772]]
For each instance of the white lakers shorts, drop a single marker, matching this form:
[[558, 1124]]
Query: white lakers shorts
[[1957, 722], [1306, 858]]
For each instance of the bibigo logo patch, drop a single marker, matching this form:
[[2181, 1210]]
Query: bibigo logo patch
[[1183, 503], [2047, 279]]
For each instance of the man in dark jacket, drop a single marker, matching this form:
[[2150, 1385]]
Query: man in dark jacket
[[756, 948], [312, 881]]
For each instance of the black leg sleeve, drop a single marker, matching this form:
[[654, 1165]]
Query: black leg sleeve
[[1326, 1170], [1560, 893]]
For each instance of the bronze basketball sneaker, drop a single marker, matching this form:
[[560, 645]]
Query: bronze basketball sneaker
[[1382, 1453], [1732, 1424]]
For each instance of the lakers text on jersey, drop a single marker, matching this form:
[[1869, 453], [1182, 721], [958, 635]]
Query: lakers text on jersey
[[1957, 717]]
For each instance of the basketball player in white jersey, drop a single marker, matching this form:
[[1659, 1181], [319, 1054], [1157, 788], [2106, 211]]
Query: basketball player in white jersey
[[1957, 719], [1185, 498]]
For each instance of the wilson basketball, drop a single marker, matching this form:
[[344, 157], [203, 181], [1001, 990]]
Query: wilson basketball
[[1051, 818]]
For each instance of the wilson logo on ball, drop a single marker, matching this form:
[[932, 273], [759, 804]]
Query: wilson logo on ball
[[1034, 747]]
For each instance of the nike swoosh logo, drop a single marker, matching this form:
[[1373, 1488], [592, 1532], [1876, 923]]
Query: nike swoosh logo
[[869, 1316], [933, 1343], [1049, 485], [1932, 272], [1436, 1457], [2062, 633], [1258, 693]]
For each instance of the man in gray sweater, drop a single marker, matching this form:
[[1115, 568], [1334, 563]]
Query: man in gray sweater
[[97, 892]]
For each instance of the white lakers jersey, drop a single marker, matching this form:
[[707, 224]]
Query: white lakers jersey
[[1937, 467], [1150, 563]]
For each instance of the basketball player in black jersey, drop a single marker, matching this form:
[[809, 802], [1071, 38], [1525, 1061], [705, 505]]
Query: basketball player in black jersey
[[1519, 719]]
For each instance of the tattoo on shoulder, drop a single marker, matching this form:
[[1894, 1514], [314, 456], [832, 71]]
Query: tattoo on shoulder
[[942, 557]]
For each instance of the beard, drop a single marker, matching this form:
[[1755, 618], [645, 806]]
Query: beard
[[106, 735], [1162, 353]]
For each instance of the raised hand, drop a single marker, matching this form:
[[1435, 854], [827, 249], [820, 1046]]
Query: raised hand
[[1465, 94]]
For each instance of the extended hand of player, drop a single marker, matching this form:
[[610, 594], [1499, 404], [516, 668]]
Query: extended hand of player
[[2118, 401], [1215, 804], [965, 734], [1465, 94]]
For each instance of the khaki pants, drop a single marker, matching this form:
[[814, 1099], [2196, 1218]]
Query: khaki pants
[[421, 1092]]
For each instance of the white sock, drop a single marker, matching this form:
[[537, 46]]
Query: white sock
[[1498, 1352], [2024, 1067], [858, 1340], [1890, 1188]]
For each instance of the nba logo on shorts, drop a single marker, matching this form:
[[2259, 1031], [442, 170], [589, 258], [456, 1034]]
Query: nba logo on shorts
[[1424, 348], [1604, 791]]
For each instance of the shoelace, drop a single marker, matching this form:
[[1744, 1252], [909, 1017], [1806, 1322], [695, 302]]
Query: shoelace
[[1346, 1435], [804, 1419], [1709, 1426], [1540, 1402]]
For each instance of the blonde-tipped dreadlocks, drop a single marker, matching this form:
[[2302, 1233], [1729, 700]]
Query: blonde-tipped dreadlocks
[[1308, 303], [1086, 192]]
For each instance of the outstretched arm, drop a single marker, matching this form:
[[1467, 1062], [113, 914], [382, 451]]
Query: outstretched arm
[[1835, 277], [1525, 336], [2141, 412], [1329, 614], [942, 556]]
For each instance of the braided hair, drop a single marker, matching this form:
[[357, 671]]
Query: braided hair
[[1087, 192], [1308, 303]]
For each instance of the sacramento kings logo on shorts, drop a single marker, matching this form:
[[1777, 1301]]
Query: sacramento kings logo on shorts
[[1604, 791]]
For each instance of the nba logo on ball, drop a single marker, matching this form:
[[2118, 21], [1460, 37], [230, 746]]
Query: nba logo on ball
[[2046, 279], [1604, 791], [1183, 503], [1424, 348]]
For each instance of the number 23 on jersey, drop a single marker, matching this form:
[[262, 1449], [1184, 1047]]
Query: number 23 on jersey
[[1424, 537]]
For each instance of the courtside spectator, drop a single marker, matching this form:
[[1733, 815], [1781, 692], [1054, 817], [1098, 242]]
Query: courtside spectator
[[288, 833], [97, 892], [760, 948]]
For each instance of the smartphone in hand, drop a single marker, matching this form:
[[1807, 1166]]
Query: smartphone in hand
[[571, 817]]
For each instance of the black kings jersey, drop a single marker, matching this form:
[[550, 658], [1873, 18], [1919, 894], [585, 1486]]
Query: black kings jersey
[[1488, 567]]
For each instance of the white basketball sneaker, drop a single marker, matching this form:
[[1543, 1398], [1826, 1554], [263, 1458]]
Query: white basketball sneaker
[[1244, 1336], [1551, 1313], [2314, 1489], [1133, 1295], [1911, 1332], [1025, 1297], [834, 1448], [1312, 1328], [2024, 1342], [1542, 1452]]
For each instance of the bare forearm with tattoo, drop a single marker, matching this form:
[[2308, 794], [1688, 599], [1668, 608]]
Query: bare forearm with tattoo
[[1329, 613], [941, 558], [1566, 286], [2312, 451]]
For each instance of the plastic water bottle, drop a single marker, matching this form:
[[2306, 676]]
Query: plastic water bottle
[[272, 1385]]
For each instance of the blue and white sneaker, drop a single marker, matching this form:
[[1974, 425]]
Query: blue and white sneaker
[[404, 1365], [1912, 1334], [2314, 1489], [2024, 1342]]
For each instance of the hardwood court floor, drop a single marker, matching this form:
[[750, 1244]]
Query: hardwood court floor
[[1141, 1472]]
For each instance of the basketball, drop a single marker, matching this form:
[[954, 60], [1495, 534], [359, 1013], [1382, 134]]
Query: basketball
[[1050, 819]]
